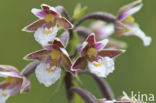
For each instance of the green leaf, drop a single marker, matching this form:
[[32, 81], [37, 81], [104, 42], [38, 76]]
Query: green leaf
[[79, 11]]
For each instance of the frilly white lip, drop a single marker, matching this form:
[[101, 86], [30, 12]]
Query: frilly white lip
[[45, 77], [146, 39], [136, 31], [104, 69], [43, 38]]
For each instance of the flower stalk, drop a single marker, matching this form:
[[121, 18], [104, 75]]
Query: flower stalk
[[104, 87], [97, 16], [68, 84], [87, 97]]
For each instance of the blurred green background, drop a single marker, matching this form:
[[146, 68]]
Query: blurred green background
[[135, 70]]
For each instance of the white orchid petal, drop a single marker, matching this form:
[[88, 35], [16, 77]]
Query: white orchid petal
[[35, 11], [45, 77], [101, 44], [131, 11], [103, 70], [139, 33], [108, 29], [146, 39], [38, 13], [43, 38], [135, 30], [104, 32], [10, 74], [4, 95], [53, 9], [134, 10]]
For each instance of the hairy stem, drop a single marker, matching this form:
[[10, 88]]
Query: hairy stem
[[70, 34], [85, 95], [68, 84], [97, 16], [103, 86], [82, 31]]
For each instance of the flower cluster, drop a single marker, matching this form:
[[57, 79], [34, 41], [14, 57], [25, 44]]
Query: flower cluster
[[95, 50]]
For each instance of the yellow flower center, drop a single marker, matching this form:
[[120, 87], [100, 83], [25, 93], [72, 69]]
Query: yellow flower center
[[48, 31], [8, 80], [55, 55], [92, 52], [50, 70], [97, 64], [48, 17], [4, 94], [130, 18]]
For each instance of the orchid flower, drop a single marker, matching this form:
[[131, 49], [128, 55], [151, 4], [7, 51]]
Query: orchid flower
[[46, 27], [14, 83], [104, 31], [51, 58], [125, 23], [99, 60]]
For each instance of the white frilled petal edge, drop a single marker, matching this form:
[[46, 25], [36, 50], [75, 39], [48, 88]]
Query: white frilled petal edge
[[45, 77], [139, 33], [136, 31], [43, 38], [103, 70]]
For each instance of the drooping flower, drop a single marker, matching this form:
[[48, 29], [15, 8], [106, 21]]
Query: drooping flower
[[14, 83], [46, 27], [125, 23], [99, 60], [51, 58], [104, 31]]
